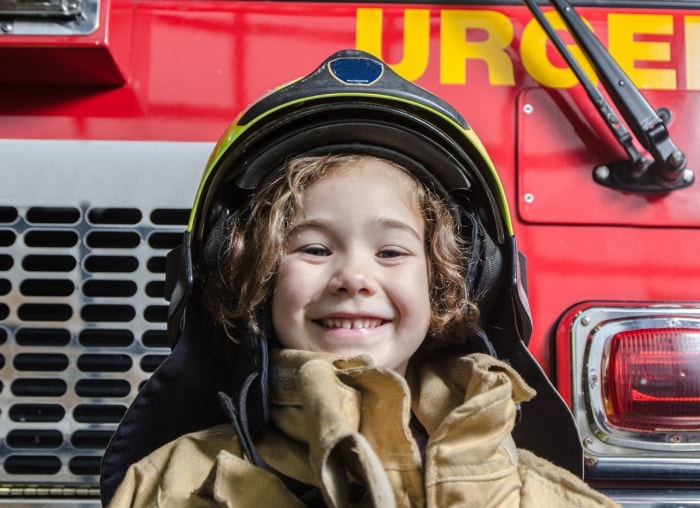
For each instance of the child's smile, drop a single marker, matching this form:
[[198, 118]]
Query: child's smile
[[355, 276], [348, 327], [349, 322]]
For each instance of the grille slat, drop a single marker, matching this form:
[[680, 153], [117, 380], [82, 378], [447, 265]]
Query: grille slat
[[112, 240], [99, 413], [6, 262], [50, 239], [104, 363], [85, 465], [38, 387], [106, 338], [49, 263], [44, 312], [37, 413], [116, 216], [37, 438], [7, 237], [102, 388], [111, 264], [42, 336], [53, 215], [8, 214], [41, 362], [107, 313], [46, 287], [32, 464], [116, 288]]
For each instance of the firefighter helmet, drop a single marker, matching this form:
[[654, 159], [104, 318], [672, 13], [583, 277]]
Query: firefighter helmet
[[353, 103]]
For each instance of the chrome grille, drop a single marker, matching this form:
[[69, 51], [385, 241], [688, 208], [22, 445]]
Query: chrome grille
[[82, 312]]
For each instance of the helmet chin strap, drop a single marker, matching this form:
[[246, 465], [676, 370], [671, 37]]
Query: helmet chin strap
[[248, 408], [248, 404]]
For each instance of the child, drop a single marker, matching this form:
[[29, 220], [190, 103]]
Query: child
[[352, 265]]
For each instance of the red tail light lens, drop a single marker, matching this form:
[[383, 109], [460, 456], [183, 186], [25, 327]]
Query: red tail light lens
[[635, 388], [652, 380]]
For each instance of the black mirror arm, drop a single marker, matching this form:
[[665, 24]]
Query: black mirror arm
[[668, 169]]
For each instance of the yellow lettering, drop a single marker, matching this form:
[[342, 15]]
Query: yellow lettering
[[692, 62], [456, 49], [416, 39], [533, 51], [627, 51]]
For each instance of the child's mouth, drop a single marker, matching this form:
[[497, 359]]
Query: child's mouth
[[350, 324]]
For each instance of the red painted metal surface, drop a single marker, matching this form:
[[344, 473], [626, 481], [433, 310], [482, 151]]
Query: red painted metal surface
[[559, 145], [190, 67], [98, 58]]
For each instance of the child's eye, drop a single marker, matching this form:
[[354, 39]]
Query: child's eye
[[315, 250], [390, 253]]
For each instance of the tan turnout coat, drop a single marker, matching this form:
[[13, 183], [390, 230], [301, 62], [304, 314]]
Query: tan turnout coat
[[338, 421]]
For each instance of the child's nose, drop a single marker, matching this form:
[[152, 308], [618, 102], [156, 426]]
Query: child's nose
[[351, 279]]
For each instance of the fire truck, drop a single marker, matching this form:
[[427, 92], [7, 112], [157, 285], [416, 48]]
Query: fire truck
[[590, 110]]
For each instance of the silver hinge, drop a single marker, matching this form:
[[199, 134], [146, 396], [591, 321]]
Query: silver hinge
[[53, 491]]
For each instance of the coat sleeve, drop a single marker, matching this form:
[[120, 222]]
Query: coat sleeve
[[139, 487], [544, 484], [174, 474]]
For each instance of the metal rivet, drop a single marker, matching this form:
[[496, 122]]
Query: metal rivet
[[528, 109], [602, 172], [676, 158], [6, 27], [585, 321], [688, 175], [529, 198], [587, 441]]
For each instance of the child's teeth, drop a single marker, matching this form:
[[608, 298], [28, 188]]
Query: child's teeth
[[351, 323]]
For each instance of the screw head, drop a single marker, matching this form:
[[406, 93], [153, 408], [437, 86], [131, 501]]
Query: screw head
[[602, 172], [688, 175]]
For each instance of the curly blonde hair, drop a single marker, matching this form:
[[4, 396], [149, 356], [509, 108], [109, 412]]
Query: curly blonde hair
[[257, 244]]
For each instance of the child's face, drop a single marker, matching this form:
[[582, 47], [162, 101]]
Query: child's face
[[355, 276]]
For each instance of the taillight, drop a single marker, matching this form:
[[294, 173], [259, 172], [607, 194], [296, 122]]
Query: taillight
[[631, 373], [652, 380]]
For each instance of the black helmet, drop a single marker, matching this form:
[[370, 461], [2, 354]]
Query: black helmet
[[352, 103]]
